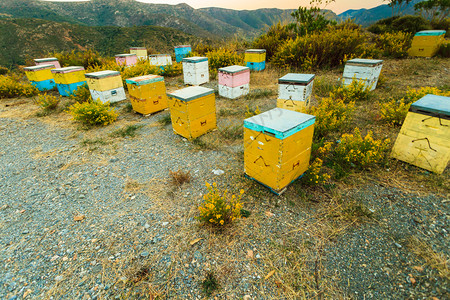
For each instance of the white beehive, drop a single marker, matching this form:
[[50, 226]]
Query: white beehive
[[294, 91], [160, 59], [233, 81], [367, 70], [195, 70]]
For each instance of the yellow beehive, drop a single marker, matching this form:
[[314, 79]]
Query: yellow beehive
[[424, 139], [104, 80], [277, 147], [69, 75], [192, 111], [426, 43], [147, 93], [255, 55], [39, 73], [141, 52]]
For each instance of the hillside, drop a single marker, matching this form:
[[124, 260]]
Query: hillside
[[27, 38], [125, 13]]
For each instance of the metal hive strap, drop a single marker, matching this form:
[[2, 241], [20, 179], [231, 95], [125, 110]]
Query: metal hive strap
[[440, 121], [429, 145], [260, 157], [179, 119]]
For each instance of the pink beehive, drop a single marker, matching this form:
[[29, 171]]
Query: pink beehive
[[126, 59], [47, 61], [234, 76]]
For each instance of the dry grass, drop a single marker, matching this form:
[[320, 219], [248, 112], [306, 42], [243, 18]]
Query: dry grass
[[180, 177]]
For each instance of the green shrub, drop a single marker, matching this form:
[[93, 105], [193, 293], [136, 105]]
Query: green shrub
[[93, 113], [220, 208], [412, 95], [81, 94], [3, 70], [252, 112], [308, 20], [324, 86], [332, 115], [11, 87], [409, 24], [222, 58], [273, 39], [47, 102], [314, 175], [394, 44], [444, 50], [355, 91], [394, 111], [88, 58]]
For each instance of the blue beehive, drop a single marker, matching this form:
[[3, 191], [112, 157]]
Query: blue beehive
[[181, 52]]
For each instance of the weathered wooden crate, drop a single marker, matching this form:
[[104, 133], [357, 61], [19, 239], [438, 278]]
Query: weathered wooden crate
[[41, 76], [46, 61], [424, 139], [181, 52], [106, 85], [126, 59], [234, 81], [366, 70], [160, 59], [192, 111], [277, 147], [141, 52], [426, 43], [294, 91], [147, 93], [195, 70], [68, 79]]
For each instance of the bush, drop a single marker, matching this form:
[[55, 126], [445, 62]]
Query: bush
[[10, 87], [331, 116], [412, 95], [222, 58], [395, 44], [314, 174], [357, 151], [252, 112], [88, 59], [3, 70], [93, 113], [81, 94], [220, 208], [444, 50], [273, 39], [408, 24], [47, 102], [328, 48], [394, 111], [355, 91]]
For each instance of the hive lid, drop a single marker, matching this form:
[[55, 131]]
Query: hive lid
[[233, 69], [40, 67], [365, 61], [125, 54], [102, 74], [279, 122], [143, 80], [159, 55], [296, 78], [432, 105], [45, 59], [191, 93], [68, 69], [255, 51], [430, 32], [183, 46], [138, 48], [195, 59]]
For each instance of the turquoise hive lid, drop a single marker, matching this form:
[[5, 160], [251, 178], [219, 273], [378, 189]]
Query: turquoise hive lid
[[143, 80], [432, 105], [296, 78], [365, 61], [195, 59], [233, 69], [102, 74], [40, 67], [280, 122], [68, 69], [430, 33], [191, 93]]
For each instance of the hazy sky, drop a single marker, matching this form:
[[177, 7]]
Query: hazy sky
[[338, 7]]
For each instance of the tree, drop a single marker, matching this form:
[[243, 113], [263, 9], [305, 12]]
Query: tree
[[398, 6], [310, 19], [434, 10]]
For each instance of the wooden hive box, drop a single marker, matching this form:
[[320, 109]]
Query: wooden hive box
[[234, 81], [426, 43], [181, 52], [126, 59], [46, 61], [277, 147], [255, 59], [147, 93], [195, 70], [160, 59], [294, 91], [41, 76], [424, 139], [367, 70], [141, 52], [68, 79], [107, 86], [192, 111]]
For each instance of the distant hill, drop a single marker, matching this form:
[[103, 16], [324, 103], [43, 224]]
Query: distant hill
[[205, 22], [30, 38], [367, 17]]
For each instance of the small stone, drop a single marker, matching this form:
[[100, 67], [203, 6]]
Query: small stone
[[218, 172], [145, 254], [398, 245], [247, 297], [147, 226], [165, 223], [113, 160], [59, 278]]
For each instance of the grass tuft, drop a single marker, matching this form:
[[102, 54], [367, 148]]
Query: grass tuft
[[180, 177], [210, 283], [127, 131]]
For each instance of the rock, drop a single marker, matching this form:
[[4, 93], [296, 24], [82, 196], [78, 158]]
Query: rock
[[250, 254], [147, 226], [398, 245], [165, 223], [59, 278], [113, 160], [79, 218], [145, 254], [247, 297], [218, 172]]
